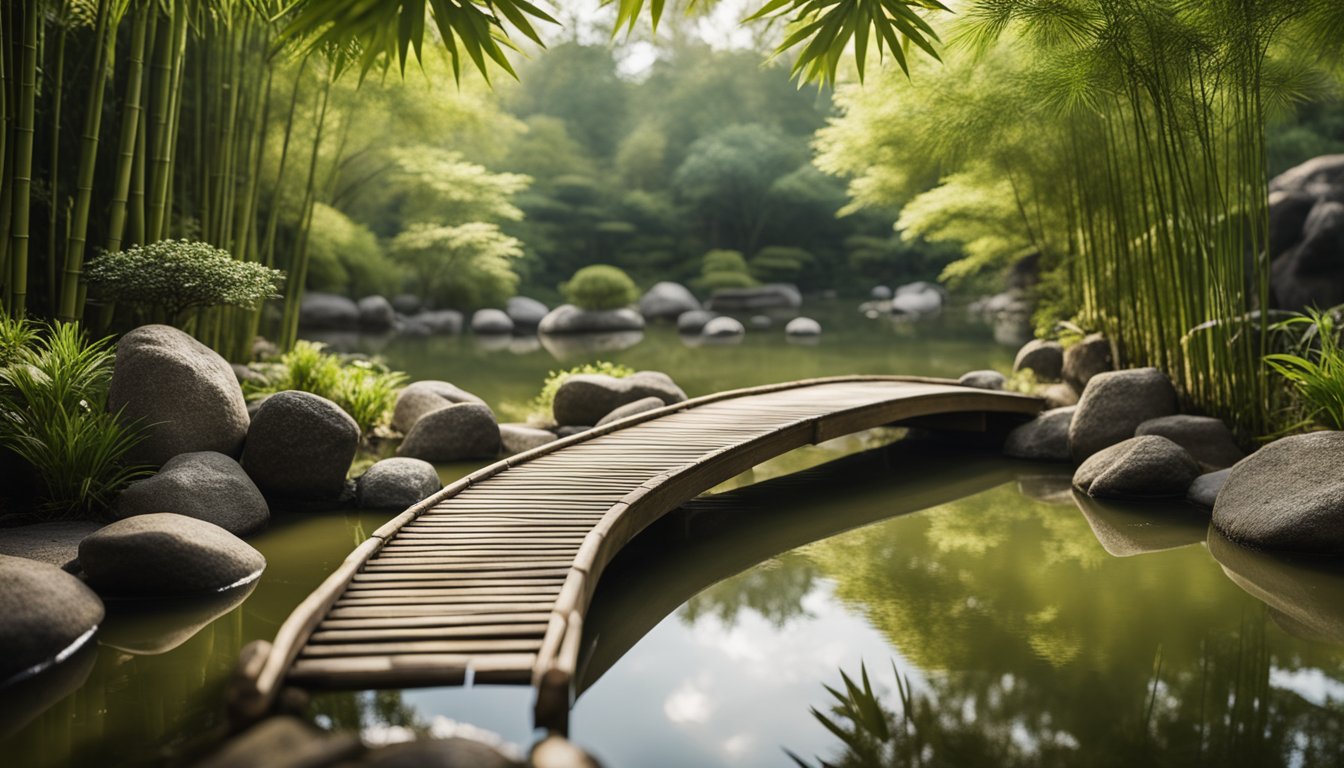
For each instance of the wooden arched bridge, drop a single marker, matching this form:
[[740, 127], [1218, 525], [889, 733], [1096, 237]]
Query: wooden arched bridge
[[489, 580]]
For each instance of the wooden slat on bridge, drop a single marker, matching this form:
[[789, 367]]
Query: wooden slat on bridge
[[489, 580]]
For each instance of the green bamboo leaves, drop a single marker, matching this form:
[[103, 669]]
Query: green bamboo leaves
[[1315, 369]]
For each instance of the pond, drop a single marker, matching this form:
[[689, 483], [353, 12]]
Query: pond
[[1024, 630]]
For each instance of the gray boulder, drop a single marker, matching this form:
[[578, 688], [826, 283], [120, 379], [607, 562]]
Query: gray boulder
[[1086, 359], [167, 554], [1206, 438], [328, 312], [421, 397], [407, 303], [1045, 359], [525, 312], [571, 430], [667, 301], [1044, 438], [491, 322], [642, 405], [985, 379], [694, 321], [376, 313], [1204, 490], [45, 615], [300, 446], [722, 327], [1114, 404], [453, 433], [1140, 467], [56, 542], [441, 322], [771, 296], [802, 326], [516, 438], [880, 293], [396, 483], [205, 485], [182, 389], [917, 299], [1310, 273], [568, 318], [586, 398], [1287, 496]]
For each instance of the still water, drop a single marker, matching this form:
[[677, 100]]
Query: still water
[[1024, 628]]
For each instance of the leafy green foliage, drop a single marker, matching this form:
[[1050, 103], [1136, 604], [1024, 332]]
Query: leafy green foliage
[[1315, 369], [779, 263], [600, 286], [432, 184], [365, 389], [176, 276], [15, 336], [469, 265], [345, 257], [721, 269], [53, 415], [543, 403]]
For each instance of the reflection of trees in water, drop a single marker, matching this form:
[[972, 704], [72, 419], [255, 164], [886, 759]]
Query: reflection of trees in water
[[355, 711], [774, 589]]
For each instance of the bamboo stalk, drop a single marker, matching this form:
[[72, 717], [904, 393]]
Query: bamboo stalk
[[23, 162], [130, 126]]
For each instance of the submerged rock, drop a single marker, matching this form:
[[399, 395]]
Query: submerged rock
[[181, 390], [300, 446], [643, 405], [1140, 467], [1045, 359], [586, 398], [205, 485], [1206, 438], [45, 615], [421, 397], [1114, 404], [985, 379], [1086, 359], [167, 554], [453, 433], [1044, 438], [667, 301], [396, 483], [1288, 496]]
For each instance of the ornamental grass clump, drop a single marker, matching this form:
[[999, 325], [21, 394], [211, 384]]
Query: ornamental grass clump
[[1314, 369], [53, 415], [169, 279], [365, 389], [599, 287]]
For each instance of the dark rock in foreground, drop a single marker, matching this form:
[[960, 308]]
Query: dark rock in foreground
[[1114, 404], [453, 433], [205, 485], [1204, 490], [421, 397], [300, 446], [183, 391], [396, 483], [167, 554], [1140, 467], [45, 614], [586, 398], [1044, 438], [1043, 358], [1086, 359], [1287, 496]]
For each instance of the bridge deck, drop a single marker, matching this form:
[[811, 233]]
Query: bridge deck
[[489, 580]]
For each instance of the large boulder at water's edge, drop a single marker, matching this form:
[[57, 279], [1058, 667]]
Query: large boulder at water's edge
[[396, 483], [1086, 359], [300, 446], [1206, 438], [167, 554], [182, 390], [772, 296], [442, 322], [421, 397], [328, 312], [643, 405], [1114, 404], [722, 328], [585, 398], [694, 321], [1204, 490], [516, 438], [205, 485], [1045, 359], [45, 614], [802, 326], [984, 379], [1140, 467], [453, 433], [376, 313], [491, 322], [525, 312], [667, 301], [568, 318], [1287, 496], [1044, 438]]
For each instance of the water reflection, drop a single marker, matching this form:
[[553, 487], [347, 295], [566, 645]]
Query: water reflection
[[576, 347], [1126, 529], [151, 627], [1305, 597]]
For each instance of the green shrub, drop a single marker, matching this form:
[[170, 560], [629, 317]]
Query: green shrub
[[779, 263], [717, 281], [1315, 369], [545, 400], [721, 260], [16, 334], [365, 389], [53, 415], [720, 269], [172, 277], [600, 286]]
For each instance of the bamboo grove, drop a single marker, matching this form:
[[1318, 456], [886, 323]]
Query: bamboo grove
[[1123, 142]]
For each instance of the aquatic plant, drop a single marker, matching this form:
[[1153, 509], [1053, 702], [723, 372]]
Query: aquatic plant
[[599, 287], [1314, 369], [365, 389], [54, 416], [541, 405]]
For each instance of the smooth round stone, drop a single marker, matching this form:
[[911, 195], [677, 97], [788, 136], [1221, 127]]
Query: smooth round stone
[[586, 398], [1288, 496], [421, 397], [328, 312], [491, 322], [1206, 438], [167, 554], [1086, 359], [1044, 438], [694, 320], [517, 438], [1114, 404], [643, 405], [376, 313], [1204, 490], [453, 433], [300, 446], [722, 327], [880, 293], [986, 379], [568, 318], [802, 326], [205, 485], [525, 312], [1045, 359], [45, 616], [443, 322], [1140, 467], [667, 301], [760, 322], [396, 483]]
